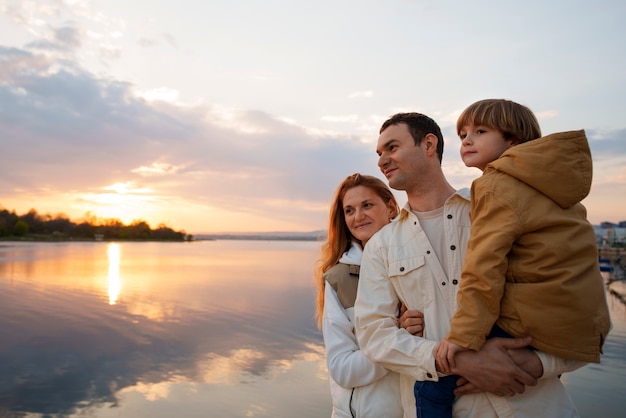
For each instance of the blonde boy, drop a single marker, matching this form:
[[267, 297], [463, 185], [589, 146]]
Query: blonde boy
[[531, 266]]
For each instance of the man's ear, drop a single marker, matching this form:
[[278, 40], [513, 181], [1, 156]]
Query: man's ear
[[430, 143]]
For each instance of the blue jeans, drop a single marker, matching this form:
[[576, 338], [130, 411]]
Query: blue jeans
[[435, 399]]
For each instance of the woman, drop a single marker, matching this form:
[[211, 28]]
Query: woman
[[359, 388]]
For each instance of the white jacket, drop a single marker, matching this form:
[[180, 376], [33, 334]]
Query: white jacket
[[400, 265], [358, 387]]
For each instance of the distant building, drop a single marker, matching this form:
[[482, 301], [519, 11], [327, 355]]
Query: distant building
[[608, 234]]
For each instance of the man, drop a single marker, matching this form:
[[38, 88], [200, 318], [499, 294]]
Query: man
[[417, 261]]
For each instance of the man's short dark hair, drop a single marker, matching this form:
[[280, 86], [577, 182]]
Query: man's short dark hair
[[419, 125]]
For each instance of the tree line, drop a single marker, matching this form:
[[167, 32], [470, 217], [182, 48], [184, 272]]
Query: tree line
[[32, 225]]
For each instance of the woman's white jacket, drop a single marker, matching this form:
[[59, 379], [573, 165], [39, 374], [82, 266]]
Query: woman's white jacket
[[359, 388]]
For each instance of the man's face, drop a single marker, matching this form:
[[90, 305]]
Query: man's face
[[399, 158]]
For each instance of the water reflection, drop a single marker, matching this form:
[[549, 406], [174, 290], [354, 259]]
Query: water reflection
[[598, 389], [220, 329], [201, 327], [115, 283]]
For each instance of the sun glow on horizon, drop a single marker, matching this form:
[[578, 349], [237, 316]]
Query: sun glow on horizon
[[123, 201]]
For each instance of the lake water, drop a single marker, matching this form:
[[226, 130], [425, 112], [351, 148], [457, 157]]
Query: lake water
[[202, 329]]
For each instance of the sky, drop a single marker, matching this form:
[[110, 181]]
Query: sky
[[244, 116]]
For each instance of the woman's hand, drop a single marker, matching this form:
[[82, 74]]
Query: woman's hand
[[412, 321]]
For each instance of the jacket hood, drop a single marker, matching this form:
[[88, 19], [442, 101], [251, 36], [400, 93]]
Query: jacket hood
[[557, 165], [354, 254]]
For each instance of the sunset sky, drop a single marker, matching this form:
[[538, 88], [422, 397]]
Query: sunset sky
[[242, 115]]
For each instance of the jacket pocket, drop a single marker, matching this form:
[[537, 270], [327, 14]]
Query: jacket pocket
[[411, 279], [404, 266]]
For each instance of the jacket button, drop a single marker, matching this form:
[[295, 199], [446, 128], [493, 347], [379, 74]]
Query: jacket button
[[443, 283], [401, 268], [428, 252], [453, 247], [430, 376], [449, 216], [455, 281]]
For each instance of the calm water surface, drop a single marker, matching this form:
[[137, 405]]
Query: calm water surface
[[203, 329]]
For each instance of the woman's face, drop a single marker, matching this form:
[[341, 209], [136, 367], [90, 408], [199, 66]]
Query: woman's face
[[365, 212]]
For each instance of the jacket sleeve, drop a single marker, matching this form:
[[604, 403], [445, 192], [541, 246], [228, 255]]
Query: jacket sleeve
[[346, 363], [376, 310], [554, 366], [495, 227]]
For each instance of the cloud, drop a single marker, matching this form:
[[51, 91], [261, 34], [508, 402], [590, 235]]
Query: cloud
[[162, 93], [65, 38], [30, 14], [361, 94], [548, 114], [83, 133], [157, 169], [340, 118], [148, 42], [261, 132], [17, 62], [606, 143]]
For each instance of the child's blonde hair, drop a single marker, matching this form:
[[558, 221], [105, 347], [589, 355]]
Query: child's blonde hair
[[515, 121]]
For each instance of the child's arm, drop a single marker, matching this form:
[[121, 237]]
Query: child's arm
[[495, 228], [444, 355]]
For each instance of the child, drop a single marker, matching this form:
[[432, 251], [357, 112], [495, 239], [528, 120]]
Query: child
[[531, 266]]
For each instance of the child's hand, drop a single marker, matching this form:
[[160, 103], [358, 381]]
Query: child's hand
[[444, 353]]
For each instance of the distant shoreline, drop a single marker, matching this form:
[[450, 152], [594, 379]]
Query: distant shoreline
[[229, 237], [225, 237], [319, 235], [80, 239]]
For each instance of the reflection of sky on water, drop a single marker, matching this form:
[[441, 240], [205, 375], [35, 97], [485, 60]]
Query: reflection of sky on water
[[211, 331], [221, 329]]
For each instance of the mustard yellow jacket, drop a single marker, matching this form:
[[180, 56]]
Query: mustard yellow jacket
[[532, 264]]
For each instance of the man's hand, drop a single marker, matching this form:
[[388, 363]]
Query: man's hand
[[523, 357], [412, 321], [528, 361], [492, 369]]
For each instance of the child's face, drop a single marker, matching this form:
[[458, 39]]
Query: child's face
[[481, 145]]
